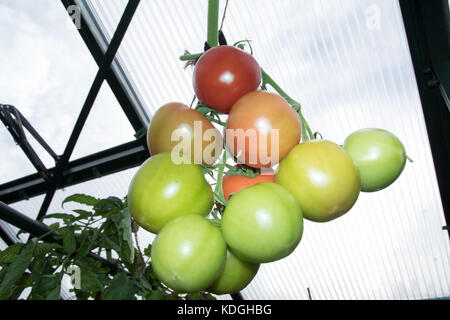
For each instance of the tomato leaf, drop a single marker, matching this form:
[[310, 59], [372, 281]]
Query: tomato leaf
[[20, 285], [48, 287], [81, 198], [108, 208], [69, 242], [89, 281], [121, 288], [17, 268], [9, 254], [127, 246], [148, 251], [44, 248]]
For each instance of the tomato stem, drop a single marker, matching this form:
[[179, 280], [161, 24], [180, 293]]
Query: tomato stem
[[189, 57], [218, 192], [213, 23], [307, 133]]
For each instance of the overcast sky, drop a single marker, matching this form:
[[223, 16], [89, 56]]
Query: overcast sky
[[346, 61]]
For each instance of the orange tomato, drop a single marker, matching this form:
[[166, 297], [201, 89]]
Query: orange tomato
[[233, 183], [262, 128]]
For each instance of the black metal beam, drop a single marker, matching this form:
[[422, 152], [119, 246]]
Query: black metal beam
[[6, 237], [105, 65], [122, 157], [426, 25], [121, 93]]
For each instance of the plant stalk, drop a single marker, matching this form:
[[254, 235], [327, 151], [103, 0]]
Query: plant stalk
[[213, 23]]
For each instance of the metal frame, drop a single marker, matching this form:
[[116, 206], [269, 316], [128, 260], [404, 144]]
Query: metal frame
[[427, 24], [104, 68], [122, 157]]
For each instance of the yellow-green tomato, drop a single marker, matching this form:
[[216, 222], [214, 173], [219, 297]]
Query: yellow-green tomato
[[262, 223], [188, 254], [162, 190], [379, 155], [236, 275], [322, 177]]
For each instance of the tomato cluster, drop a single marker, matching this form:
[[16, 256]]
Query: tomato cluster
[[259, 213]]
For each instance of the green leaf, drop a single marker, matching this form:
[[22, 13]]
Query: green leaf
[[89, 281], [124, 226], [88, 242], [148, 251], [81, 198], [43, 248], [17, 289], [48, 287], [82, 214], [63, 216], [17, 268], [157, 295], [93, 276], [8, 255], [108, 242], [69, 242], [121, 288], [107, 208]]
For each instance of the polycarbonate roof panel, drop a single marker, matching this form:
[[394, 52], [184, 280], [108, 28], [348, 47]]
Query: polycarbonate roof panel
[[106, 127], [348, 63], [46, 74]]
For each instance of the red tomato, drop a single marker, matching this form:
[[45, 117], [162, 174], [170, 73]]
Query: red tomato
[[222, 75], [262, 128], [234, 183]]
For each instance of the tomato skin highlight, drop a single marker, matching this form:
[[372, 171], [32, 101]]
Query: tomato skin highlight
[[189, 254], [379, 155], [162, 190], [262, 223], [175, 115], [222, 75], [253, 122], [236, 275], [322, 177]]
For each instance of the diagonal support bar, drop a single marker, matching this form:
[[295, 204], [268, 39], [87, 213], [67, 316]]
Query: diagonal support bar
[[93, 92]]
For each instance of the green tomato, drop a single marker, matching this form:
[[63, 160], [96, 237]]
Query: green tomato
[[262, 223], [379, 155], [322, 177], [162, 190], [236, 275], [188, 254]]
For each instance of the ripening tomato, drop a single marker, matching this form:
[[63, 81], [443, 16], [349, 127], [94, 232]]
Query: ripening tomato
[[236, 275], [178, 128], [233, 183], [222, 75], [379, 155], [323, 178], [262, 223], [189, 254], [162, 190], [262, 128]]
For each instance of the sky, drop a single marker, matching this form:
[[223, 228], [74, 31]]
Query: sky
[[347, 63]]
